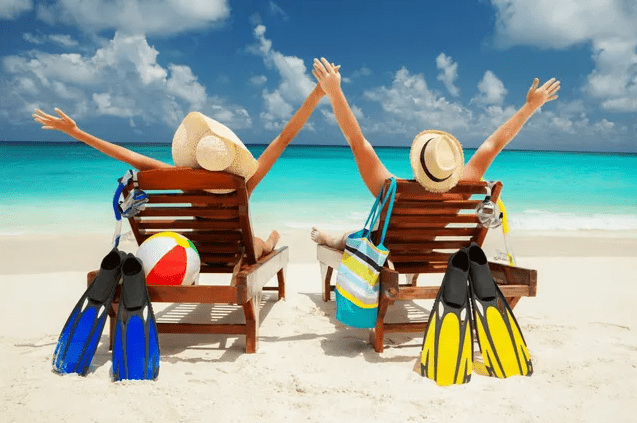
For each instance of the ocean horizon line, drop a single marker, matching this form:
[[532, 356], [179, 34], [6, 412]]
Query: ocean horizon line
[[294, 146]]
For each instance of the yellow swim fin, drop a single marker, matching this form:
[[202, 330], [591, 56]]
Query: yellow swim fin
[[447, 351], [504, 351]]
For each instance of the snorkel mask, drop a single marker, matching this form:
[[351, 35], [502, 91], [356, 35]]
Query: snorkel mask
[[488, 212], [491, 215], [134, 203]]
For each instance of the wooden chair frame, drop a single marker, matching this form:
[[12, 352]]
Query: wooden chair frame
[[219, 226], [424, 230]]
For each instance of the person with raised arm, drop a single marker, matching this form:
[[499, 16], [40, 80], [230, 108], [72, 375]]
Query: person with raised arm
[[253, 171], [436, 156]]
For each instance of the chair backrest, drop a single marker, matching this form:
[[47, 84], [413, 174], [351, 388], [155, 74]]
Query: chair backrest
[[218, 224], [425, 228]]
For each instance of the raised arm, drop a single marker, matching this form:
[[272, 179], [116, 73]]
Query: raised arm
[[371, 169], [68, 126], [483, 157], [274, 150]]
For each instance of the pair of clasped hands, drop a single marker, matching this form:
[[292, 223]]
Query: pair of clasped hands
[[328, 76]]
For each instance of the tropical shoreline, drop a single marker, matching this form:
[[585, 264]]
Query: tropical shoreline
[[39, 253], [579, 329]]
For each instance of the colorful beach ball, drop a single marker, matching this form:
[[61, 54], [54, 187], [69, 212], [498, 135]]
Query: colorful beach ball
[[169, 259]]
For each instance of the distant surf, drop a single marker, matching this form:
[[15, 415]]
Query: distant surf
[[51, 187]]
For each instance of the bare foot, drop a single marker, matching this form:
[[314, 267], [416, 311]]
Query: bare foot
[[271, 242], [322, 238], [319, 236]]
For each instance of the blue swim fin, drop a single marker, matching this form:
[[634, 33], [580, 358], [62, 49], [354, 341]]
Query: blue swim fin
[[83, 329], [136, 346]]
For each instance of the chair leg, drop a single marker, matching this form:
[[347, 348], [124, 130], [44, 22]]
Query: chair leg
[[251, 311], [377, 335], [280, 275], [513, 301], [412, 278], [326, 275]]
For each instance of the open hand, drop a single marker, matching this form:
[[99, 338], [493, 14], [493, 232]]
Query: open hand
[[63, 123], [327, 75], [547, 92]]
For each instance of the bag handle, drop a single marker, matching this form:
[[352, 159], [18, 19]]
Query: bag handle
[[391, 195], [374, 212], [378, 208]]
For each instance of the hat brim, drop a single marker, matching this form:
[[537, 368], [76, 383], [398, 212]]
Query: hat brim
[[419, 173], [193, 128]]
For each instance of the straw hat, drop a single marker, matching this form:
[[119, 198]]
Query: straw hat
[[437, 160], [202, 142]]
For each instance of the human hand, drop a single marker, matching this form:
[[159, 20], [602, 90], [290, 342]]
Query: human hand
[[318, 90], [536, 97], [63, 123], [327, 75]]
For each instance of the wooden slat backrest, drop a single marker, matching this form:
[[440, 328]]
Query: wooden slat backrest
[[425, 227], [218, 224]]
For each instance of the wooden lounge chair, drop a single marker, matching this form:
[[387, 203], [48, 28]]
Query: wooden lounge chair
[[219, 226], [424, 230]]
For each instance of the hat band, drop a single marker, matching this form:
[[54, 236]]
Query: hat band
[[424, 165]]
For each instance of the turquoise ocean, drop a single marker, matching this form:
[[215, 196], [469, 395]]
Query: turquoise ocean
[[68, 187]]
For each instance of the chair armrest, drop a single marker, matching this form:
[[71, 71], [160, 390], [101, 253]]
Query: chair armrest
[[389, 283], [251, 279], [329, 256], [506, 276]]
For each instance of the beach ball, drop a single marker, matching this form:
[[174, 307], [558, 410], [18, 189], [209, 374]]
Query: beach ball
[[169, 259]]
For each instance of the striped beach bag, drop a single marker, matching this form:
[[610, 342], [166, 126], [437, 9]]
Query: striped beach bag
[[357, 286]]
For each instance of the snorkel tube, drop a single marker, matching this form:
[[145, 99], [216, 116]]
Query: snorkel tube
[[505, 231], [489, 217]]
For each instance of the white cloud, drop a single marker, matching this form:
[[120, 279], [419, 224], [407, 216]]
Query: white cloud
[[121, 79], [357, 111], [277, 110], [410, 106], [491, 89], [131, 55], [30, 38], [295, 83], [561, 24], [11, 9], [60, 39], [604, 125], [568, 127], [63, 40], [157, 17], [65, 91], [330, 118], [363, 71], [328, 114], [449, 73], [275, 10], [26, 85], [183, 84], [614, 80], [114, 105], [623, 104], [609, 26], [258, 80], [491, 118]]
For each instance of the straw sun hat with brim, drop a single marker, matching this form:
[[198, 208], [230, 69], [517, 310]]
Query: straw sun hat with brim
[[202, 142], [437, 160]]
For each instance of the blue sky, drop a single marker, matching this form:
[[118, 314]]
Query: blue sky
[[130, 70]]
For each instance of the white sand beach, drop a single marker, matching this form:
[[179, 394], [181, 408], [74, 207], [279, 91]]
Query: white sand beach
[[581, 330]]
